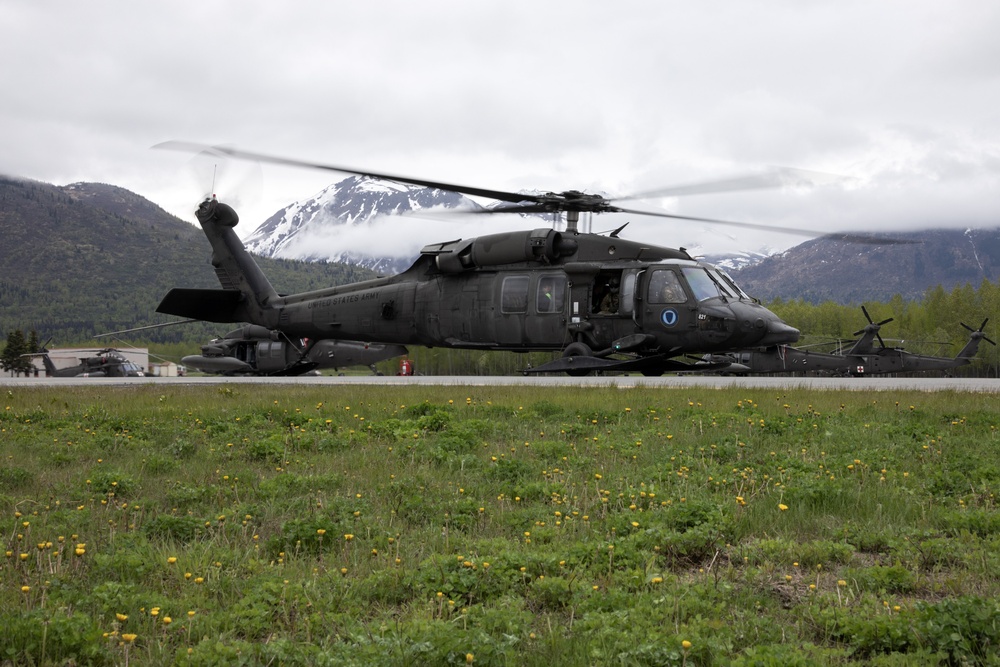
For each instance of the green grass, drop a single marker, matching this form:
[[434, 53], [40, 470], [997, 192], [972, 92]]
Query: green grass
[[497, 526]]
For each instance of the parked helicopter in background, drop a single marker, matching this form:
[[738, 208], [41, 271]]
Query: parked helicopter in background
[[861, 359], [108, 362], [519, 291], [255, 350]]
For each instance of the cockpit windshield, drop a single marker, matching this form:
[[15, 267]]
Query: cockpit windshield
[[728, 280], [709, 282], [703, 285]]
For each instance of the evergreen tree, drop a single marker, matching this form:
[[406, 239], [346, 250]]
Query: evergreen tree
[[11, 360]]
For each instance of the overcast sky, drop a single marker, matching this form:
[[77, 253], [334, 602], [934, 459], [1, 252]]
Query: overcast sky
[[901, 96]]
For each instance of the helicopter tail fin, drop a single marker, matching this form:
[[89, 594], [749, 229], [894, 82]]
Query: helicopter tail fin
[[50, 368], [972, 347], [246, 294]]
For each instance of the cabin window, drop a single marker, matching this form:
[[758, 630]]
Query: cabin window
[[551, 294], [514, 294], [607, 292], [665, 287]]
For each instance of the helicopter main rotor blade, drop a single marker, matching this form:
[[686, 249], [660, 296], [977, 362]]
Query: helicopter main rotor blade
[[849, 237], [151, 326], [501, 195], [552, 202], [776, 177]]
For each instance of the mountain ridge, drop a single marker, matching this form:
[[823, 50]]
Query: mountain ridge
[[89, 257], [826, 269]]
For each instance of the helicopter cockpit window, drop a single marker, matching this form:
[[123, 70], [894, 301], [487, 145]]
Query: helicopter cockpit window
[[701, 283], [725, 288], [727, 279], [551, 294], [665, 287], [514, 294]]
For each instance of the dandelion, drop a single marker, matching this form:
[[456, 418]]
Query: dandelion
[[172, 560], [783, 507], [129, 637], [121, 617], [25, 589], [686, 645]]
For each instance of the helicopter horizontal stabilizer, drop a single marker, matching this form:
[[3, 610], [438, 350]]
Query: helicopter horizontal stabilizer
[[210, 305]]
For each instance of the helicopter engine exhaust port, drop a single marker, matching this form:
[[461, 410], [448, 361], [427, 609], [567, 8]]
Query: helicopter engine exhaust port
[[540, 245]]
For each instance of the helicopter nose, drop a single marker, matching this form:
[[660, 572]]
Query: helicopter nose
[[778, 333]]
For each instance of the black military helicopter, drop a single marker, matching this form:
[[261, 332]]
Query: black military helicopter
[[108, 362], [860, 359], [256, 350], [605, 302]]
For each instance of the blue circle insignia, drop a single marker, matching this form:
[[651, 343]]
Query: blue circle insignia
[[668, 317]]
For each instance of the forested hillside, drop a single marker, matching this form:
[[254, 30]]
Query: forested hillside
[[89, 258]]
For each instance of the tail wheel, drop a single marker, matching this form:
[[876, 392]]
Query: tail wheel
[[577, 350]]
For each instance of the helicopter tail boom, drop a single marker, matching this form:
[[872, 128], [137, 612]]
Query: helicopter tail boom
[[246, 295]]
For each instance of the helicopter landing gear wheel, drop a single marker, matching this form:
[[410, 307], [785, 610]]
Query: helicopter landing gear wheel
[[577, 350]]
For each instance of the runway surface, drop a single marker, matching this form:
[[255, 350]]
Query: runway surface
[[979, 385]]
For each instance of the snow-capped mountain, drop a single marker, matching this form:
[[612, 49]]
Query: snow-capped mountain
[[735, 261], [323, 228]]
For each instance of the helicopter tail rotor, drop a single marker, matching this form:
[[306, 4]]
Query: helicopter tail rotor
[[873, 326], [978, 333]]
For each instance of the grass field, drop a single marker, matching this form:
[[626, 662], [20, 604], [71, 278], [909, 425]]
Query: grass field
[[509, 526]]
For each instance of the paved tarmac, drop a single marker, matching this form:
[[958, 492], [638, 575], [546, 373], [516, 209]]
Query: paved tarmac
[[979, 385]]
